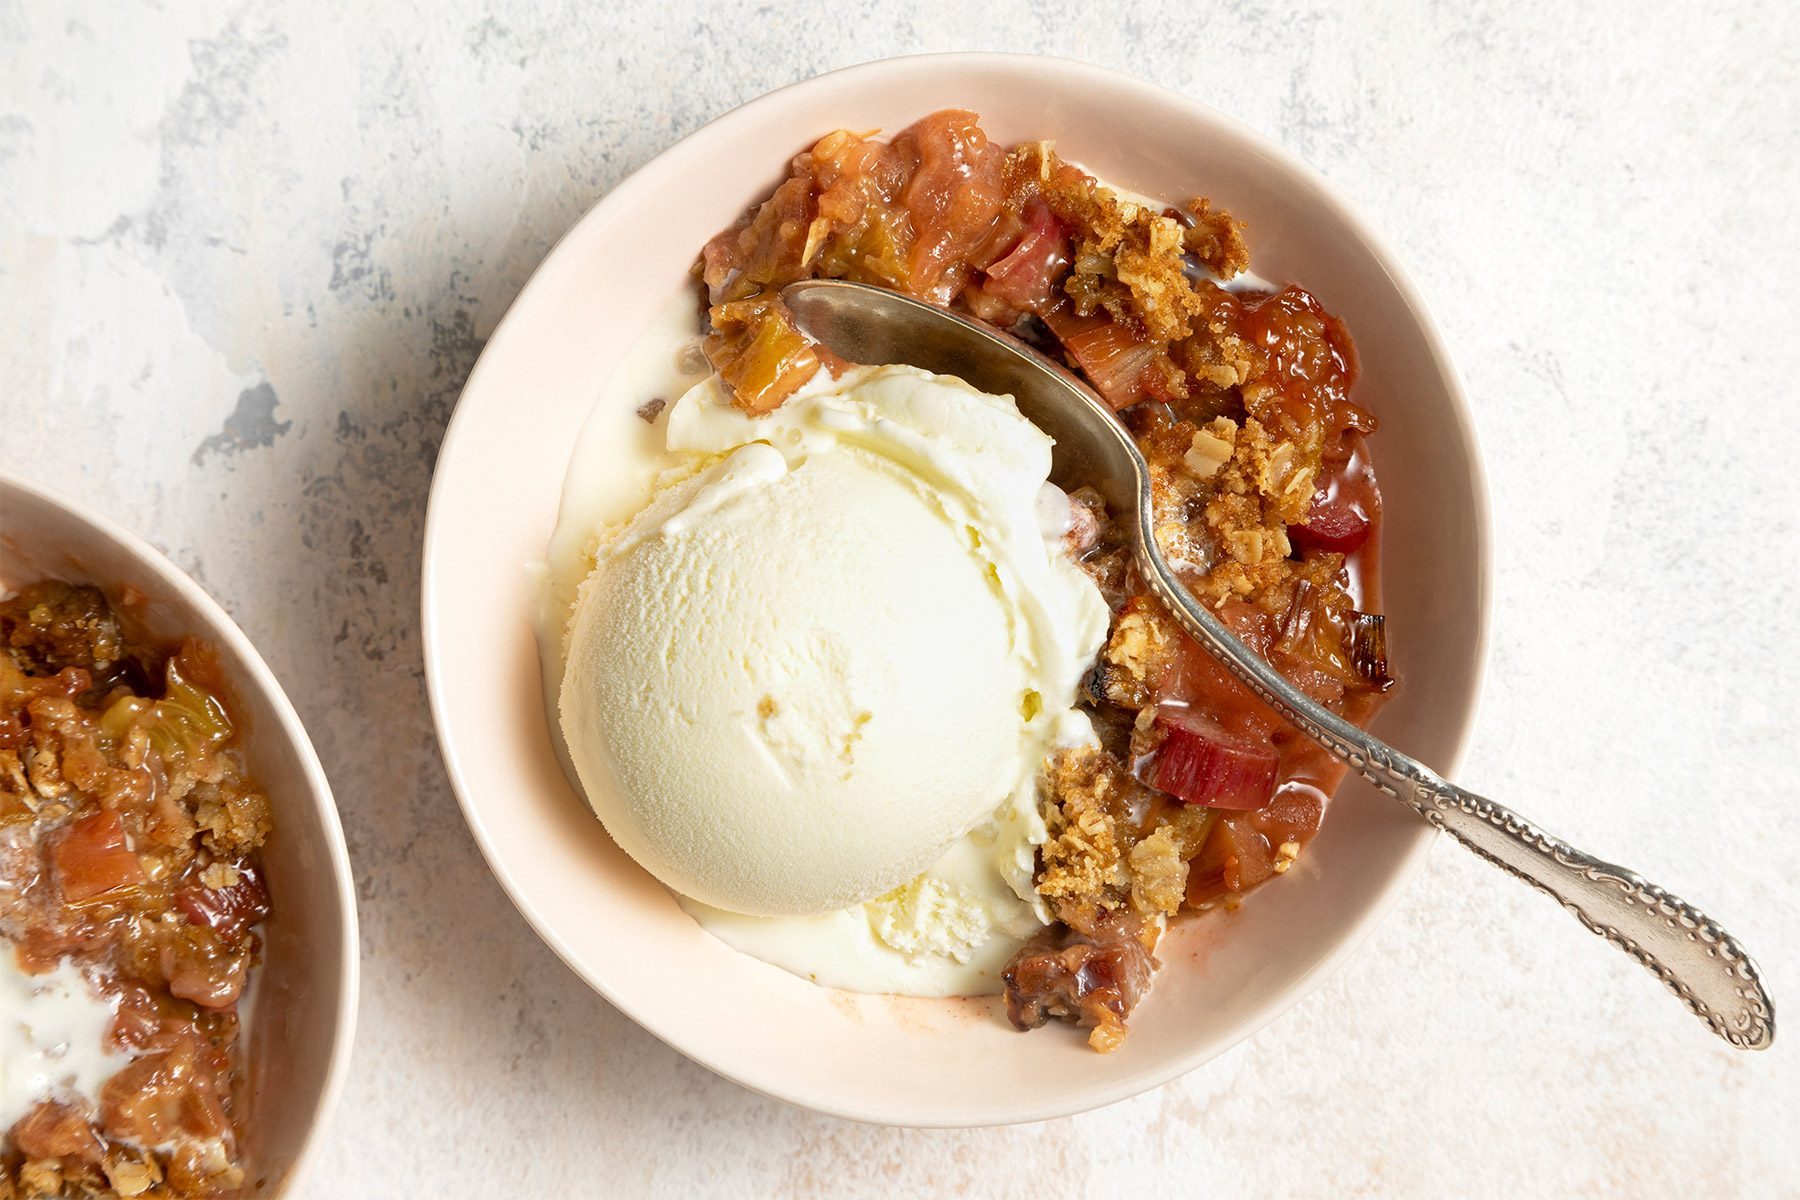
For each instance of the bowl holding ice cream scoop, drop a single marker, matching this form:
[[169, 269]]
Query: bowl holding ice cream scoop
[[1700, 962], [547, 392]]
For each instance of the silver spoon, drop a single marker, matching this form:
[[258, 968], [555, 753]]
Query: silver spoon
[[1681, 945]]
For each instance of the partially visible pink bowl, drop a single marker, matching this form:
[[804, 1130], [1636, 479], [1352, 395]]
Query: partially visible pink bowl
[[494, 503], [301, 1009]]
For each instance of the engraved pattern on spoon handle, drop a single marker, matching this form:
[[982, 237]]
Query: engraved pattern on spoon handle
[[1696, 959]]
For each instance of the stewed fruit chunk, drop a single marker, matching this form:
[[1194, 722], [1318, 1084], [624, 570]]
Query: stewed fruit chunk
[[1332, 524], [1245, 848], [198, 966], [1118, 360], [54, 1130], [93, 858], [190, 718], [1027, 277], [228, 910], [159, 1098], [1307, 359], [1199, 763], [1367, 636], [1237, 856], [1092, 981], [763, 358], [952, 199]]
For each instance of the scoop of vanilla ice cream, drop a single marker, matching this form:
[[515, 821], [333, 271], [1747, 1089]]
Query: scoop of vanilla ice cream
[[805, 671], [790, 697]]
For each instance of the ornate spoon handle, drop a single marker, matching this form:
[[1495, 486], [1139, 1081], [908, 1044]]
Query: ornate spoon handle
[[1681, 945]]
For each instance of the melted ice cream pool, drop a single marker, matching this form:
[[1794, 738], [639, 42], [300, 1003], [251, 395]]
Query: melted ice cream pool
[[54, 1042]]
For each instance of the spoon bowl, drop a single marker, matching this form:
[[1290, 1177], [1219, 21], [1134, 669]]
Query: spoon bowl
[[872, 325]]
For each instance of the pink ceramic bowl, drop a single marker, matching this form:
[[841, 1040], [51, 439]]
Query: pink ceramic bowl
[[494, 502], [301, 1011]]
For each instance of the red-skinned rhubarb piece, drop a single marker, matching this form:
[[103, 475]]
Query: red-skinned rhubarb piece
[[1332, 525], [1199, 763], [93, 858], [1027, 276], [1114, 357], [227, 911]]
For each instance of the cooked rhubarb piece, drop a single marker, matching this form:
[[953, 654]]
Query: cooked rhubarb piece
[[56, 1131], [953, 199], [1304, 356], [1117, 359], [1199, 763], [190, 718], [1245, 849], [228, 910], [1028, 276], [93, 858], [1237, 856], [166, 1098], [1092, 981], [1332, 524], [1327, 647], [198, 965], [764, 360], [1194, 678], [1368, 650]]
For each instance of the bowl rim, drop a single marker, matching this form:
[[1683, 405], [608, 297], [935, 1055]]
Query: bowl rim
[[223, 628], [560, 258]]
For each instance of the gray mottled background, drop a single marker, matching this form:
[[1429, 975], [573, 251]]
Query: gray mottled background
[[249, 251]]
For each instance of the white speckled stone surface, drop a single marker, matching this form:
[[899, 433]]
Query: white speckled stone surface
[[248, 253]]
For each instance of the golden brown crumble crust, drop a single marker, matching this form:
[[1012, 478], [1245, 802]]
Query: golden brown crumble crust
[[1086, 871], [1110, 851]]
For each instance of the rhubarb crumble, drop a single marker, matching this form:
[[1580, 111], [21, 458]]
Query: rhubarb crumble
[[1264, 500], [130, 893]]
